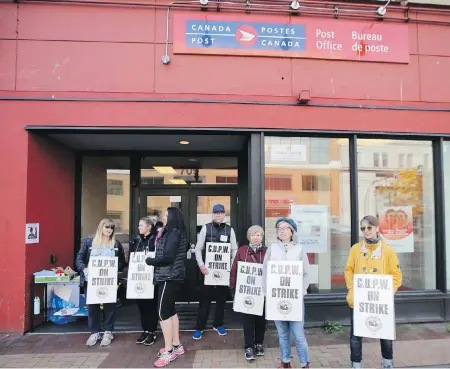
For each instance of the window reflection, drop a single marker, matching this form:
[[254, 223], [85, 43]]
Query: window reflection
[[400, 192], [308, 179]]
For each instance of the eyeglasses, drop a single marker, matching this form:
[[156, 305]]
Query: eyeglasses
[[112, 226], [284, 228], [366, 228]]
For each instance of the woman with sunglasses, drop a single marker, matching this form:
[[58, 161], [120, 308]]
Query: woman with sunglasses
[[370, 256], [102, 244]]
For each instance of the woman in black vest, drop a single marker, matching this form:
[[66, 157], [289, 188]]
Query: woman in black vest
[[171, 246]]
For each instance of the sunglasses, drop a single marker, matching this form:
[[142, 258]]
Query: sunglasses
[[110, 227], [366, 228]]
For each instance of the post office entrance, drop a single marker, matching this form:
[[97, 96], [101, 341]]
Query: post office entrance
[[196, 205]]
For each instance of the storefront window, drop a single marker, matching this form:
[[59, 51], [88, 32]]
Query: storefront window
[[105, 192], [401, 193], [308, 179]]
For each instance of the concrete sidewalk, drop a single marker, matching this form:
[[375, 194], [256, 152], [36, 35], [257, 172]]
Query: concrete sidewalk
[[417, 345]]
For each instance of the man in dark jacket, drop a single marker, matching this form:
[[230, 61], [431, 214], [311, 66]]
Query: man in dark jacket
[[216, 231]]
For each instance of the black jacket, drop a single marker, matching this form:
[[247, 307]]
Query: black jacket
[[84, 253], [141, 243], [170, 256]]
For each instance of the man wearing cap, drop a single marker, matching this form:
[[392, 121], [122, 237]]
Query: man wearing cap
[[216, 231]]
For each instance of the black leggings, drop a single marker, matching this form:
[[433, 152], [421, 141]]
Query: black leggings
[[167, 295]]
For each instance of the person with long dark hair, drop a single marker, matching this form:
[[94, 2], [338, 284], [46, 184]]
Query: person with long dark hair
[[148, 308], [169, 262]]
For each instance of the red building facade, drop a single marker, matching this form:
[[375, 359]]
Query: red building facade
[[80, 65]]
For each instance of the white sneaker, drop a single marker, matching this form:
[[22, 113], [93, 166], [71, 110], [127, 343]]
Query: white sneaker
[[92, 340], [107, 339]]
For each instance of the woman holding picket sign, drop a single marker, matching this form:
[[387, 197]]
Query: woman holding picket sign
[[102, 244], [148, 308], [286, 249], [169, 274], [254, 325], [371, 256]]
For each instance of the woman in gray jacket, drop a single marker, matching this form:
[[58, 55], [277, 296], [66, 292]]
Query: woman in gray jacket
[[288, 250]]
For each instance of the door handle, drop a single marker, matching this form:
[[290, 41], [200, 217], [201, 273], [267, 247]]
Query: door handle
[[190, 251]]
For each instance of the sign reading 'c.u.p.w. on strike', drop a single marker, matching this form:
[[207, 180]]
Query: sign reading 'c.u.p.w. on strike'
[[291, 37]]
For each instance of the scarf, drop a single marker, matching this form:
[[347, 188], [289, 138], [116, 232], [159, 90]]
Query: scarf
[[373, 241]]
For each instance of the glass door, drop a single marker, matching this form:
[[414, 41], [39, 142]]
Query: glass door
[[196, 206], [202, 202]]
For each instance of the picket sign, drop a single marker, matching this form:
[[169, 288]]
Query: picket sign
[[140, 276], [102, 280], [374, 309], [249, 296], [284, 291], [218, 262]]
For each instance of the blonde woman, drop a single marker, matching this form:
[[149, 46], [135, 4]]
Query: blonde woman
[[102, 244]]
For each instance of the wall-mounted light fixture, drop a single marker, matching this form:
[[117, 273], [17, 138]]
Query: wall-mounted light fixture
[[304, 97], [295, 5]]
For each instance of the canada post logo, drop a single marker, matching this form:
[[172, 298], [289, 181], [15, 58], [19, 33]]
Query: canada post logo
[[245, 36]]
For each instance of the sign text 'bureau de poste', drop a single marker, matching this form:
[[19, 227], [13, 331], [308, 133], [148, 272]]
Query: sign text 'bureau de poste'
[[299, 38]]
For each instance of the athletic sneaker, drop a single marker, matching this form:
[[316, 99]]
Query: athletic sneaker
[[197, 335], [107, 339], [259, 349], [166, 358], [93, 339], [178, 351], [221, 331], [249, 355], [142, 337], [150, 340]]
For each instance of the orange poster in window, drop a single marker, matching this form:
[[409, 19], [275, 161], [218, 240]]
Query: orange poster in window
[[396, 227]]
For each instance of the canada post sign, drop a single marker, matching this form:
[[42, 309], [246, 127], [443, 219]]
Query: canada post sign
[[259, 35]]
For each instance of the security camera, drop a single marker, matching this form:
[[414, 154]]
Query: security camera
[[295, 5], [204, 2], [381, 11]]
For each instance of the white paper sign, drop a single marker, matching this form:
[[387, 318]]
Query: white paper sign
[[140, 276], [284, 300], [373, 312], [218, 262], [312, 227], [249, 296], [102, 280], [32, 232]]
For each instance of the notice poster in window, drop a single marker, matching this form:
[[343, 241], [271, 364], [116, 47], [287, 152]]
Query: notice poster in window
[[102, 280], [312, 227], [373, 312], [396, 227], [218, 262]]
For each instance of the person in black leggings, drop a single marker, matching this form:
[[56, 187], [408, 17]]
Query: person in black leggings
[[169, 262]]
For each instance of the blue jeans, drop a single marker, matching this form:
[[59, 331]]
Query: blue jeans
[[298, 333], [387, 350]]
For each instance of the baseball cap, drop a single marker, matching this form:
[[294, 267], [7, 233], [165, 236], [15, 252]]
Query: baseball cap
[[219, 208]]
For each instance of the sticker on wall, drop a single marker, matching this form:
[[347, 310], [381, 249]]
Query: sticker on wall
[[32, 233], [396, 227]]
